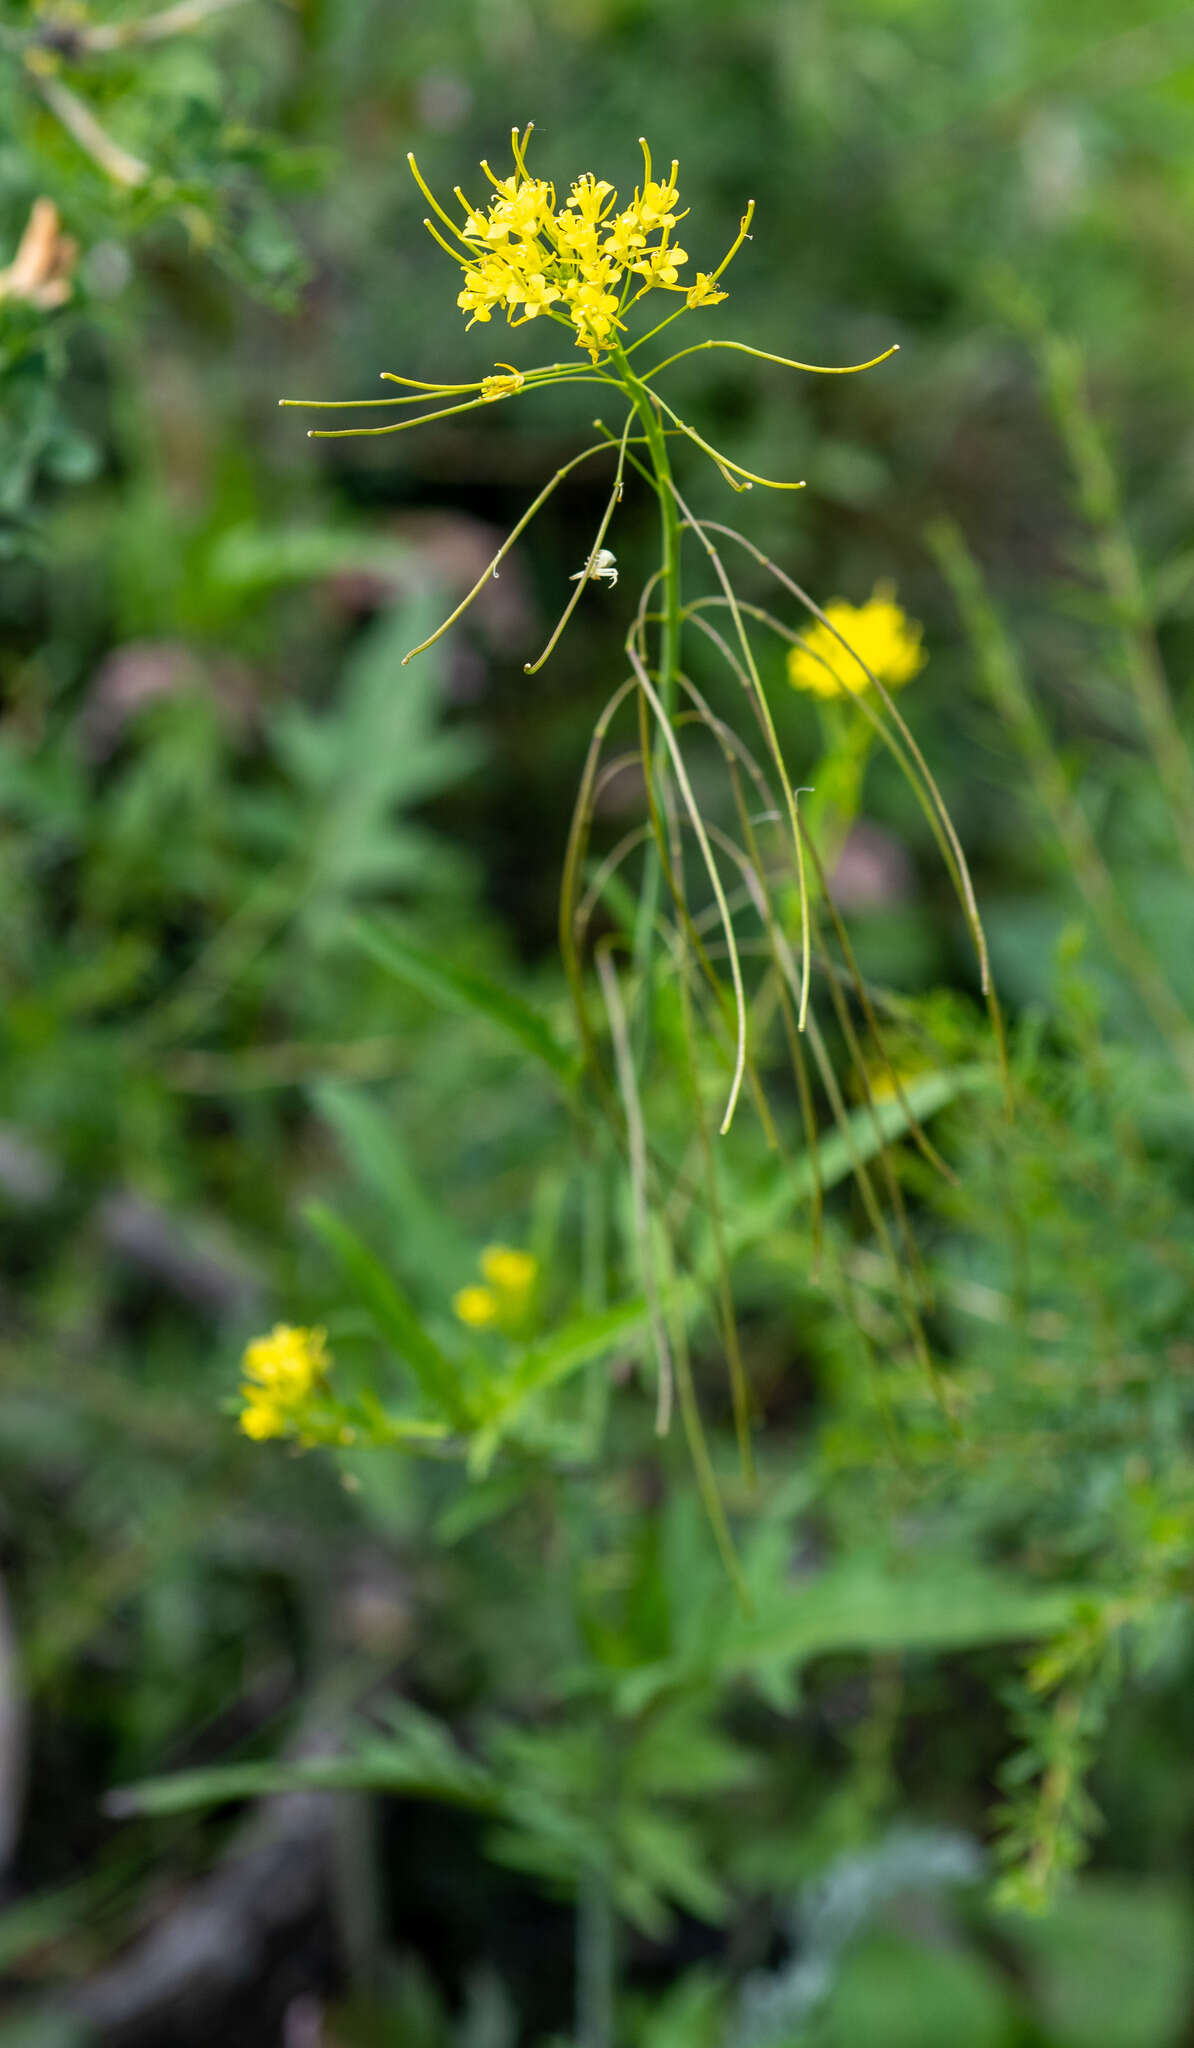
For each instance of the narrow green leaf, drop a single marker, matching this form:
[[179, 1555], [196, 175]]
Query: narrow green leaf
[[393, 1314], [462, 989], [888, 1121], [257, 558], [577, 1343], [410, 1751], [369, 1131], [376, 1767], [860, 1605]]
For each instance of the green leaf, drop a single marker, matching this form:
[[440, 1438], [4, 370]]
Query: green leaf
[[50, 1916], [925, 1094], [362, 767], [662, 1857], [414, 1755], [251, 557], [857, 1605], [462, 989], [44, 2027], [899, 1993], [1112, 1962], [368, 1130], [393, 1314], [578, 1344], [690, 2014]]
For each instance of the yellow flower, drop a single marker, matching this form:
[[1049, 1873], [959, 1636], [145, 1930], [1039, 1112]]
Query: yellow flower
[[878, 632], [589, 197], [594, 315], [511, 1272], [523, 257], [625, 238], [534, 294], [476, 1306], [505, 1299], [704, 292], [281, 1373], [660, 266], [654, 207], [518, 207], [483, 290], [262, 1417]]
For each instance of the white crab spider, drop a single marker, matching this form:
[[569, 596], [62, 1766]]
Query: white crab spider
[[601, 568]]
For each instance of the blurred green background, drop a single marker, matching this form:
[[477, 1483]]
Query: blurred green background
[[212, 764]]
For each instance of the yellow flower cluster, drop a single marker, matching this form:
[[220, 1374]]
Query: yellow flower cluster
[[510, 1276], [584, 262], [282, 1371], [878, 632]]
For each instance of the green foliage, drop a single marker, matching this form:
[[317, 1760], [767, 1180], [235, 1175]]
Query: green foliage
[[143, 139], [284, 1037]]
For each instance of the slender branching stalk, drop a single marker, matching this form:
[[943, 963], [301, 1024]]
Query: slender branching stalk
[[585, 267]]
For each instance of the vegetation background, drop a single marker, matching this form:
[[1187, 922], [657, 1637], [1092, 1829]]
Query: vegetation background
[[969, 1652]]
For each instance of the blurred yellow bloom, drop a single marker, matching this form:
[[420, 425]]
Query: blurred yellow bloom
[[281, 1372], [878, 632], [523, 256], [262, 1417], [511, 1272], [476, 1306], [510, 1276]]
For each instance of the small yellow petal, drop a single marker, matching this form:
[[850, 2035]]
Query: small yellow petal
[[261, 1419], [878, 632], [282, 1371], [476, 1306], [512, 1272]]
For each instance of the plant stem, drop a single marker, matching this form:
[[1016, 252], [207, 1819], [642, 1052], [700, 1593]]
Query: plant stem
[[1000, 670], [596, 1962], [669, 633], [1099, 502]]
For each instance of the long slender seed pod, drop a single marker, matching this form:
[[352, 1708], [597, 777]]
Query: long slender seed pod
[[637, 1142], [762, 710], [724, 462], [648, 689], [963, 871], [765, 356], [491, 568], [531, 668]]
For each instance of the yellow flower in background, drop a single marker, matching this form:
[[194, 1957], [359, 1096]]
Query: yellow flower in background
[[282, 1371], [475, 1306], [511, 1272], [262, 1418], [878, 632], [510, 1277], [580, 262]]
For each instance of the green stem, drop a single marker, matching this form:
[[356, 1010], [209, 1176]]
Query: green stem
[[668, 666], [596, 1962]]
